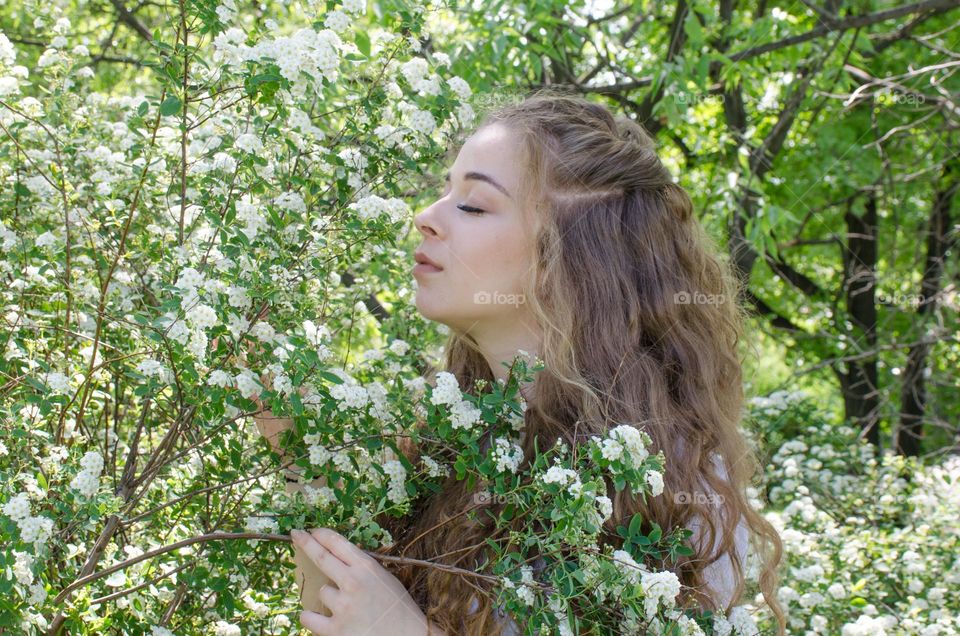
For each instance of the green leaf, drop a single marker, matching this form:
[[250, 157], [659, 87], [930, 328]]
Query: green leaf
[[336, 379], [170, 106], [296, 403], [692, 27], [655, 534], [363, 43]]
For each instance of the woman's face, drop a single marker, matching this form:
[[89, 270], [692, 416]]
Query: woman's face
[[484, 257]]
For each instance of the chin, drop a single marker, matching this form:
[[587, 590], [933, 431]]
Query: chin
[[429, 310]]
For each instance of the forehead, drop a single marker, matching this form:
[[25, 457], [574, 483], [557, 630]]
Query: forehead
[[494, 151]]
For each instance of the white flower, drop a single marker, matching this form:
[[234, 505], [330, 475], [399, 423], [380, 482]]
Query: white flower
[[397, 492], [220, 378], [744, 625], [414, 70], [429, 86], [460, 87], [659, 588], [261, 524], [247, 384], [434, 469], [372, 207], [190, 278], [151, 367], [223, 628], [9, 86], [87, 483], [611, 449], [22, 567], [349, 396], [291, 201], [399, 347], [202, 316], [117, 579], [721, 626], [422, 121], [354, 6], [17, 508], [237, 297], [319, 455], [179, 331], [319, 496], [560, 475], [606, 506], [283, 384], [625, 562], [47, 239], [464, 415], [92, 461], [314, 334], [337, 20], [35, 530], [447, 390], [248, 142], [264, 332], [8, 54], [507, 455], [634, 442], [57, 382], [655, 481]]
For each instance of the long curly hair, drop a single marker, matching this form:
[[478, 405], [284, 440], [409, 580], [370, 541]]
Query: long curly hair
[[641, 321]]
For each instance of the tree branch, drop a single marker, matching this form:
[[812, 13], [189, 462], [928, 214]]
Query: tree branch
[[845, 25]]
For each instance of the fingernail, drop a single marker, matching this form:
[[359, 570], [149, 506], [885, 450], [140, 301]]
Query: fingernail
[[297, 536]]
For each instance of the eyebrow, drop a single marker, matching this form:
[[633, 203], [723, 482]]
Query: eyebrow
[[479, 176]]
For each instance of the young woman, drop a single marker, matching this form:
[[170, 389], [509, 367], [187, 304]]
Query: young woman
[[561, 233]]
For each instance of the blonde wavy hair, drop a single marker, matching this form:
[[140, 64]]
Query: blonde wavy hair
[[617, 245]]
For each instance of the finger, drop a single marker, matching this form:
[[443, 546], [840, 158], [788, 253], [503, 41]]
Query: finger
[[327, 562], [316, 623], [330, 597], [340, 546]]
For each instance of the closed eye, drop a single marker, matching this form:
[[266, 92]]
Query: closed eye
[[462, 206], [468, 209]]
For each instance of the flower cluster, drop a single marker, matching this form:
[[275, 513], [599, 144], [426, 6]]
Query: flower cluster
[[869, 550], [36, 530], [87, 480], [463, 414]]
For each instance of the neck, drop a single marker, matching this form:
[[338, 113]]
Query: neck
[[501, 343]]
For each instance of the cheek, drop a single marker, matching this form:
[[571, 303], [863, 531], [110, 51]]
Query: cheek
[[501, 260]]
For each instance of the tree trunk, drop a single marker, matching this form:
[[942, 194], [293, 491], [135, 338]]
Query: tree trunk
[[861, 397], [909, 436]]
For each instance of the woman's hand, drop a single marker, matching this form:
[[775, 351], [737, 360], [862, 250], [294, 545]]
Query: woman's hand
[[364, 598]]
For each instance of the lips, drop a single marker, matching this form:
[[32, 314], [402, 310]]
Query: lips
[[422, 259]]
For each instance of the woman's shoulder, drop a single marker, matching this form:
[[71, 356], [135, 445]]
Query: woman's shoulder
[[720, 574]]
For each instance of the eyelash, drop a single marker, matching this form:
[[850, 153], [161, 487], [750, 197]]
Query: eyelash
[[468, 209]]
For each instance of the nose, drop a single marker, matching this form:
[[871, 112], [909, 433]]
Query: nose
[[425, 222]]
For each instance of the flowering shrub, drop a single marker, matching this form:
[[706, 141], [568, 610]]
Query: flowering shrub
[[226, 235], [254, 194], [871, 540]]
